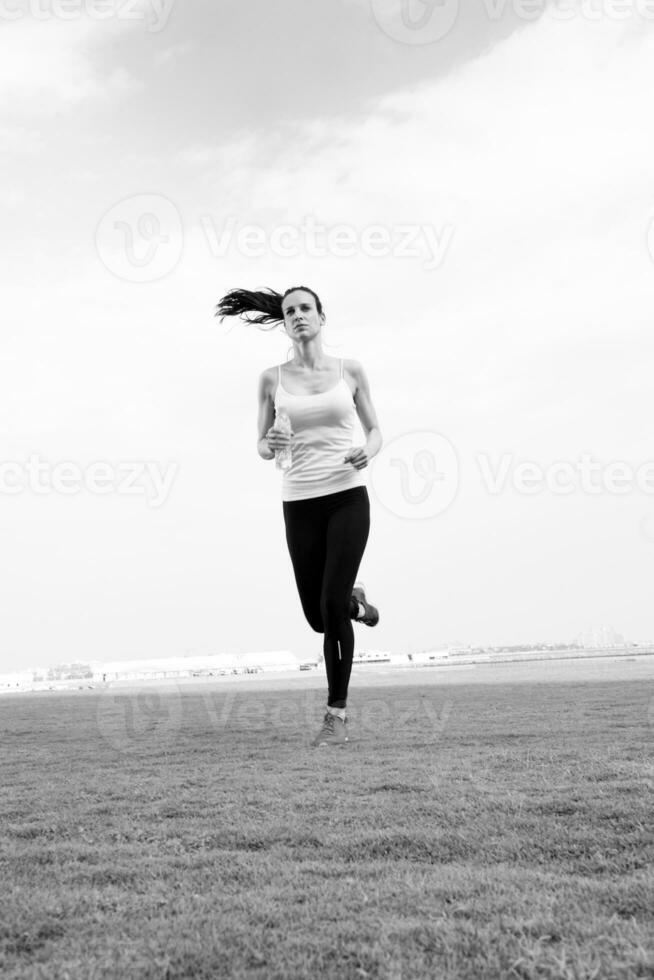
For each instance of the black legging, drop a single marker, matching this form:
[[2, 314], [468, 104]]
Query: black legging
[[326, 538]]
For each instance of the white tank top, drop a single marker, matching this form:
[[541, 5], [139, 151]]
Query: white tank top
[[323, 425]]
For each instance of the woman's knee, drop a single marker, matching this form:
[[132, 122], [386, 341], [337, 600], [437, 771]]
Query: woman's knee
[[315, 620], [334, 608]]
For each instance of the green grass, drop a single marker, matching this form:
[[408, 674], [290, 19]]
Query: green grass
[[467, 831]]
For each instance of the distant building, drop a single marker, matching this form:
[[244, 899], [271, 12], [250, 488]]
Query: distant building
[[167, 668], [459, 650], [428, 656], [600, 638], [371, 657]]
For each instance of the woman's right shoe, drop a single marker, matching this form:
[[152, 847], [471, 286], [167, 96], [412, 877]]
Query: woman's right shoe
[[371, 617], [333, 731]]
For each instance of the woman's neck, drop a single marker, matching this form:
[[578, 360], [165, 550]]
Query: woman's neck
[[312, 364]]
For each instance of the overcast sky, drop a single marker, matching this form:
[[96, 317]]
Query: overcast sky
[[491, 176]]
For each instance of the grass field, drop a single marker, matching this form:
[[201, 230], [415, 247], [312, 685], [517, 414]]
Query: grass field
[[469, 830]]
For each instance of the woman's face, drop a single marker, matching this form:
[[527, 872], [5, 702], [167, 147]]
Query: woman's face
[[301, 318]]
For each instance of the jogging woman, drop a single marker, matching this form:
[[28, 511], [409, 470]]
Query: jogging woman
[[325, 501]]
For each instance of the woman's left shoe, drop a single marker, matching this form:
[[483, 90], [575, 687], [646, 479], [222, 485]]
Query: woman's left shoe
[[371, 617]]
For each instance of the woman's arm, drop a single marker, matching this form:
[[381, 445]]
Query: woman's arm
[[366, 410], [266, 416]]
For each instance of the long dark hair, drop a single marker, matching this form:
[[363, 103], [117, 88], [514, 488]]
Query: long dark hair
[[266, 303]]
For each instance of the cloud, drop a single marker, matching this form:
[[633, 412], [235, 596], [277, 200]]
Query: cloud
[[172, 53], [51, 63], [536, 153], [19, 139]]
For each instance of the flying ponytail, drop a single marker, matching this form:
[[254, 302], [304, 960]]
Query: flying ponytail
[[266, 303]]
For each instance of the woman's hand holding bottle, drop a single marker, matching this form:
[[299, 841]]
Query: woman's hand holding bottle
[[281, 435], [277, 439]]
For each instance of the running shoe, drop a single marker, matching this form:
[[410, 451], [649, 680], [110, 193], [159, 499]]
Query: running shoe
[[371, 617], [333, 731]]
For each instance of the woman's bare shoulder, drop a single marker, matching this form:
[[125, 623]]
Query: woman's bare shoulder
[[351, 369], [268, 380], [352, 366]]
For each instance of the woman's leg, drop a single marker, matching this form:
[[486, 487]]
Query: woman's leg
[[348, 526], [306, 522]]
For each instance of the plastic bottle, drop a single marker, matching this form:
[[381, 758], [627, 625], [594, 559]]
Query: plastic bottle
[[283, 457]]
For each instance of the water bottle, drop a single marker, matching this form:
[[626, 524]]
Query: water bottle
[[283, 456]]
